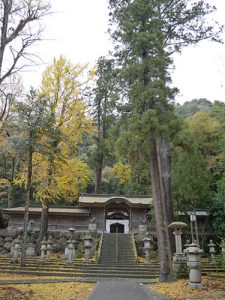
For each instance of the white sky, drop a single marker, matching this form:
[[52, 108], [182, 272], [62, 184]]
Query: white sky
[[78, 30]]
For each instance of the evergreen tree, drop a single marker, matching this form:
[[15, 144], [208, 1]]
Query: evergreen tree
[[146, 33], [103, 112]]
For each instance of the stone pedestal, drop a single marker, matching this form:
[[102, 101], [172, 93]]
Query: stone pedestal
[[16, 250], [147, 247], [70, 252], [179, 258], [43, 250], [87, 252], [212, 251], [194, 254], [87, 247], [49, 247], [30, 249], [92, 228], [142, 229]]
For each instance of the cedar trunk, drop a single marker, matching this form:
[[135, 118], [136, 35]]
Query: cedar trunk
[[99, 175], [160, 215], [164, 159]]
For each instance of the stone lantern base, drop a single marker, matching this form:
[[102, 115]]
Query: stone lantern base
[[195, 285], [30, 249], [180, 265], [92, 228], [142, 229]]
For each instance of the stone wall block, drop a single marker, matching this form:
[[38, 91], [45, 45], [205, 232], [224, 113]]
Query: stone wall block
[[3, 233], [62, 241], [56, 247], [8, 239], [7, 246]]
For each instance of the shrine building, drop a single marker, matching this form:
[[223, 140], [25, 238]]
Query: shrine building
[[110, 213]]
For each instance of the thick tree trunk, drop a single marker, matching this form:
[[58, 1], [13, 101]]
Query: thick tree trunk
[[11, 194], [99, 168], [160, 215], [164, 160]]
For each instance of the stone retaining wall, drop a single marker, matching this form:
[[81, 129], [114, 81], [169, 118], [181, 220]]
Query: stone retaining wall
[[59, 241]]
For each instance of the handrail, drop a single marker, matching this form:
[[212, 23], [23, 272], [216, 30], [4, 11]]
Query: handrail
[[116, 244], [135, 249], [99, 248]]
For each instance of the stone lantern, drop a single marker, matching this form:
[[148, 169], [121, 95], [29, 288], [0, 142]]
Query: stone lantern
[[177, 226], [194, 254], [87, 247], [179, 258], [212, 251], [187, 244], [92, 227], [43, 249], [70, 247], [147, 247], [71, 232], [49, 247], [16, 251], [70, 251]]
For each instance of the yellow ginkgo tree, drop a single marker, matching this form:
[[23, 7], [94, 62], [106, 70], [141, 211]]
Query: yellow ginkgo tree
[[61, 173]]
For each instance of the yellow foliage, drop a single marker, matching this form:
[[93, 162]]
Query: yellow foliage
[[213, 288], [67, 178], [205, 130], [3, 181], [50, 291], [62, 83], [122, 172]]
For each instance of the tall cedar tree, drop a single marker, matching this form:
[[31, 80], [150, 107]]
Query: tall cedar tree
[[103, 113], [146, 33]]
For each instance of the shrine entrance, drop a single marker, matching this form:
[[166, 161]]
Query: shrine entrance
[[117, 220], [116, 228]]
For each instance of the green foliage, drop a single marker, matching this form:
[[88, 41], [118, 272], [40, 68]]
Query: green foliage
[[190, 180], [217, 209], [189, 108]]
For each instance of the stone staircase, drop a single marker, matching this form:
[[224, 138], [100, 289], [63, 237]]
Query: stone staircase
[[117, 248], [118, 260]]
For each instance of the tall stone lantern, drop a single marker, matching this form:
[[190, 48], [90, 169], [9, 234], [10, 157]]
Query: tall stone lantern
[[194, 254], [177, 227], [87, 247], [70, 247], [212, 251], [147, 246], [179, 257]]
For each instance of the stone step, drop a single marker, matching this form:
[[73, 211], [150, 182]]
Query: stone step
[[86, 274], [125, 252], [83, 271]]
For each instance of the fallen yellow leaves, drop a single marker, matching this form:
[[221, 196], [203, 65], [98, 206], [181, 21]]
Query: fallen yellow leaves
[[50, 291], [27, 277], [213, 288]]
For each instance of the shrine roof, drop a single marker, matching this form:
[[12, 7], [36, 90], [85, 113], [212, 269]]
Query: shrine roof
[[106, 199], [52, 211]]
